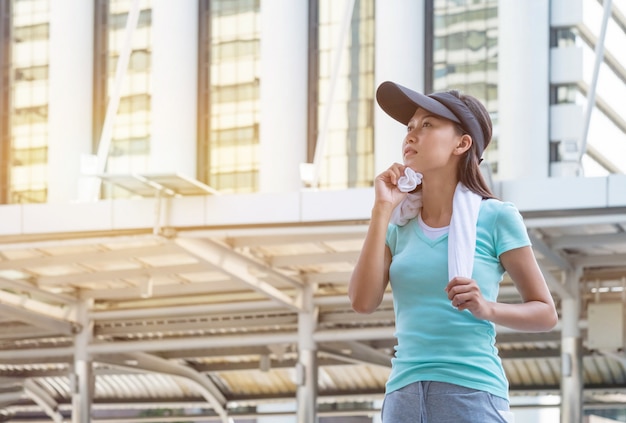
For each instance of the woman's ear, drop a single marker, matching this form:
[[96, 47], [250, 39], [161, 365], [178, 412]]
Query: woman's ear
[[465, 142]]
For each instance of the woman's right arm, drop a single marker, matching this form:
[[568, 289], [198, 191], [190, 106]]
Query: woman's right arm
[[371, 273]]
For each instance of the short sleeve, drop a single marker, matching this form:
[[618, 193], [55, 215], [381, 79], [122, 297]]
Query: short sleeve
[[510, 231], [392, 238]]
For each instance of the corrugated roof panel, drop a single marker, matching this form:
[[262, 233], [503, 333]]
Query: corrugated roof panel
[[355, 378], [256, 382]]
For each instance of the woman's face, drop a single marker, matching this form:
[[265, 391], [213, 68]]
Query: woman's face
[[431, 142]]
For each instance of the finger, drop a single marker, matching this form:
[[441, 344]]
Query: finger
[[396, 170], [458, 281], [458, 289], [461, 300]]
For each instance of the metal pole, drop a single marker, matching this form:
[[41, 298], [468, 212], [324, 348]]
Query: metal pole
[[114, 99], [83, 383], [591, 97], [571, 357], [306, 369], [320, 145]]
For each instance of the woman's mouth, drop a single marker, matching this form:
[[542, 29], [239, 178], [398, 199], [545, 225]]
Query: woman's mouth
[[408, 151]]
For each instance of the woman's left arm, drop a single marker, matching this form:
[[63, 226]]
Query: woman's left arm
[[536, 313]]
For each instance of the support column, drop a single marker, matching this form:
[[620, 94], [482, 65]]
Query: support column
[[83, 381], [174, 101], [571, 353], [283, 94], [70, 95], [378, 405], [393, 63], [306, 369], [523, 89]]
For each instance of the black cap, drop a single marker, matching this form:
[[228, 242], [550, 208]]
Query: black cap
[[401, 103]]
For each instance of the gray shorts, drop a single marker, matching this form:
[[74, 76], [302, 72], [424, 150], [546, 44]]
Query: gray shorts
[[437, 402]]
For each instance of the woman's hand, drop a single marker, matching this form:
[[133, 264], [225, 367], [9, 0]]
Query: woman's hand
[[386, 185], [536, 312], [465, 294]]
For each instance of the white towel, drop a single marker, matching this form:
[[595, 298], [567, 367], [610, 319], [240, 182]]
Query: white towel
[[462, 234], [410, 206]]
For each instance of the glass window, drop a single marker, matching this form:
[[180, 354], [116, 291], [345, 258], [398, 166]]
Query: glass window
[[27, 153], [349, 147], [229, 95], [465, 52]]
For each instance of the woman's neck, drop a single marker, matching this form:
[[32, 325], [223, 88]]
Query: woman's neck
[[437, 198]]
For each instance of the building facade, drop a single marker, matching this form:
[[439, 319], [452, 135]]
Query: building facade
[[107, 100], [209, 78]]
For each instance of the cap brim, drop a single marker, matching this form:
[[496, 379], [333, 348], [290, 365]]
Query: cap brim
[[401, 103]]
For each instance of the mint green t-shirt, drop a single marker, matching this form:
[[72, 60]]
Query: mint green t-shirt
[[437, 342]]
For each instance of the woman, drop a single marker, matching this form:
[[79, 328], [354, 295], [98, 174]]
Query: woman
[[446, 366]]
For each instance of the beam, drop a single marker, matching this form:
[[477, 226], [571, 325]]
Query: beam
[[359, 353], [239, 267], [13, 330], [197, 324], [612, 260], [539, 245], [91, 256], [600, 158], [554, 285], [43, 399], [207, 388], [169, 291], [11, 394], [105, 275], [34, 354], [336, 277], [611, 61], [177, 311], [20, 285], [587, 240], [248, 340], [37, 313], [302, 235], [579, 220], [236, 340], [314, 258], [217, 308], [599, 59]]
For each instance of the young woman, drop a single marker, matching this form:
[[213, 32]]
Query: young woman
[[446, 366]]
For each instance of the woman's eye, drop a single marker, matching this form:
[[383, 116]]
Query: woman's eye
[[409, 128], [426, 124]]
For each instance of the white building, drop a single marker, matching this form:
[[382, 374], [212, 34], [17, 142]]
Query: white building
[[184, 187]]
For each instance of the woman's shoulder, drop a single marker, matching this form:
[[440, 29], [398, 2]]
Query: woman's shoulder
[[493, 210], [493, 205]]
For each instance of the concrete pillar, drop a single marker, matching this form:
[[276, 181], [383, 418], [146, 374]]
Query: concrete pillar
[[399, 58], [571, 353], [70, 95], [523, 89], [83, 379], [174, 85], [283, 94], [306, 369]]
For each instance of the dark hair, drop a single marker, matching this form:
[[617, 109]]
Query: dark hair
[[469, 167]]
